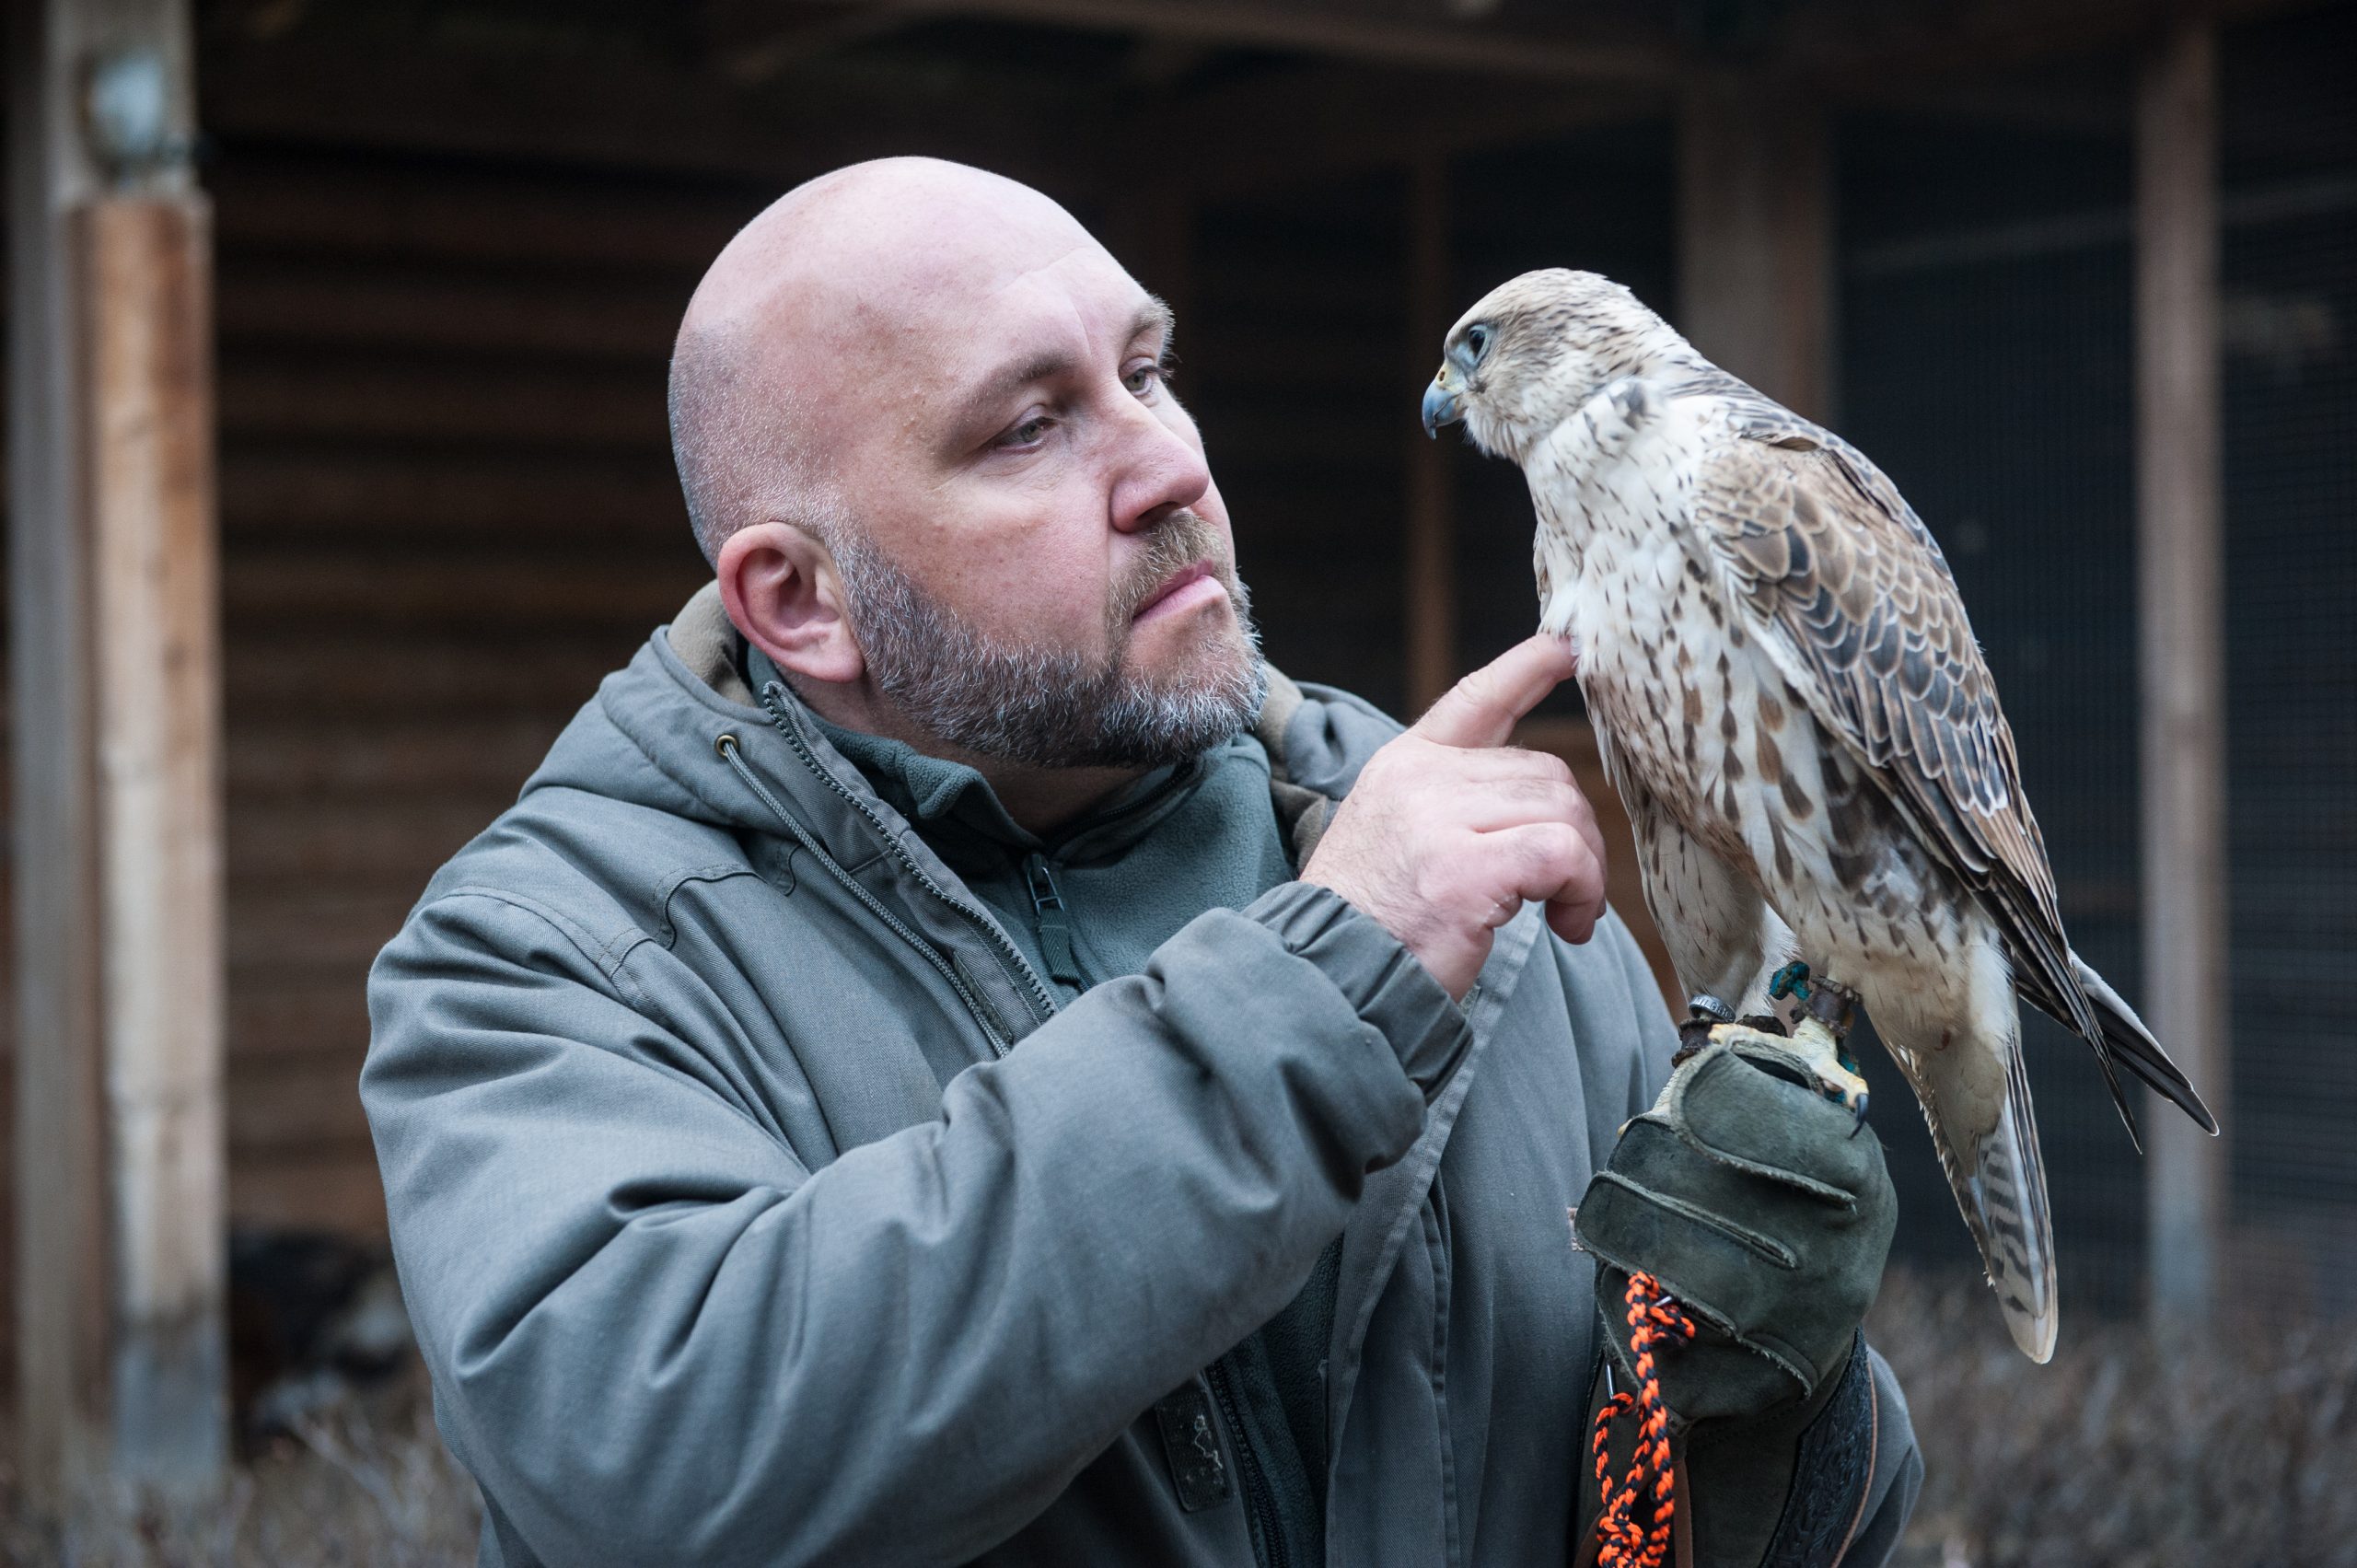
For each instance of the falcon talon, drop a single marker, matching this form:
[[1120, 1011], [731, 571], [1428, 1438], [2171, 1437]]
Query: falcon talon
[[1815, 1042]]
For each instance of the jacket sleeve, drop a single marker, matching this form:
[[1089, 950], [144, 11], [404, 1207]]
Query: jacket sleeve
[[656, 1336]]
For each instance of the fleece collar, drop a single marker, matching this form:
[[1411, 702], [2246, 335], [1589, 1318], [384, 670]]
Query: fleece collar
[[1316, 738]]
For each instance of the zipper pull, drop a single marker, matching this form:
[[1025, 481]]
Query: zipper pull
[[1055, 925]]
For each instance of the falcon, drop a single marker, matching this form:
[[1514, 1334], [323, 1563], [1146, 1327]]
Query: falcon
[[1787, 694]]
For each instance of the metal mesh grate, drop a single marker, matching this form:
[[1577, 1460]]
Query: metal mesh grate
[[2287, 316], [1985, 364]]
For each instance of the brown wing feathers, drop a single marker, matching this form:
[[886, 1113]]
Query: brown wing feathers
[[1825, 546], [2055, 982]]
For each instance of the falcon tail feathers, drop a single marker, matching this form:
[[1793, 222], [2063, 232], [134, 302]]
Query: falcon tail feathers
[[2132, 1045], [2000, 1183]]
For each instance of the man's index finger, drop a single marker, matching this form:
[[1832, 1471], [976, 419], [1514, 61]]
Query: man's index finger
[[1483, 708]]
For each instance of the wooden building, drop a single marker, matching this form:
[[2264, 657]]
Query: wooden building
[[437, 251]]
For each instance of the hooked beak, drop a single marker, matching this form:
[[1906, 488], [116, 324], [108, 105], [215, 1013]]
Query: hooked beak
[[1444, 405]]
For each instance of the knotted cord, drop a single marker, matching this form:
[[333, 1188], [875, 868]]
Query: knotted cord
[[1653, 1317]]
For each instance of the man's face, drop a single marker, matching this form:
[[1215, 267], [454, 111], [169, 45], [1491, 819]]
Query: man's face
[[1039, 565]]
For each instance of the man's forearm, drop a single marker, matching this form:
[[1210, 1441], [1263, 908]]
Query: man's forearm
[[921, 1341]]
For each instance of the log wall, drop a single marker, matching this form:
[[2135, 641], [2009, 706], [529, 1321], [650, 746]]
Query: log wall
[[447, 507]]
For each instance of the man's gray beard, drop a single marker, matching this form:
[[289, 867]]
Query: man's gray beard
[[1047, 706]]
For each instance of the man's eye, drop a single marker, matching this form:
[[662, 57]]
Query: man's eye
[[1143, 377], [1026, 434]]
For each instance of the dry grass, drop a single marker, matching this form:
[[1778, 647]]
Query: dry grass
[[2231, 1449], [366, 1486], [2234, 1450]]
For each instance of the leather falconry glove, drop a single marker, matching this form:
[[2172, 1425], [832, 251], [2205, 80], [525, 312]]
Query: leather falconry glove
[[1765, 1210]]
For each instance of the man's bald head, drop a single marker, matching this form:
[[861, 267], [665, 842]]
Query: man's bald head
[[837, 286], [924, 427]]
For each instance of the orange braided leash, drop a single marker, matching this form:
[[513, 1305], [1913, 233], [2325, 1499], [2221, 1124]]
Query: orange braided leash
[[1626, 1544]]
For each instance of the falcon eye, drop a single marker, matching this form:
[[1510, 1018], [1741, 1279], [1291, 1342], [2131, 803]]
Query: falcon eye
[[1477, 341]]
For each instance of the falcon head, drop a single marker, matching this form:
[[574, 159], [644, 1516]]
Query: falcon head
[[1537, 347]]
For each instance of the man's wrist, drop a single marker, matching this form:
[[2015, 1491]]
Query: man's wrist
[[1381, 980]]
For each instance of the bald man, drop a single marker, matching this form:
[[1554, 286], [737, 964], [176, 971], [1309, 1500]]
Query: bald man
[[951, 1059]]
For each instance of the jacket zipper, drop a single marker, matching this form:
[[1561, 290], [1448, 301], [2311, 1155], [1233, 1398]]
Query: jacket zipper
[[1048, 904], [1043, 1000], [1054, 921], [1248, 1465], [733, 754]]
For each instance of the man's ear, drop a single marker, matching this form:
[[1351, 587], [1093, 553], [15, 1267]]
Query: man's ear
[[782, 590]]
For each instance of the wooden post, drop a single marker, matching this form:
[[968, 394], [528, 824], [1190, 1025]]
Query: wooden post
[[59, 1185], [149, 355], [1430, 556], [114, 670], [1755, 291], [2181, 651]]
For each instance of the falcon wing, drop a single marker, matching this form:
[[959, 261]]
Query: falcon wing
[[1855, 597]]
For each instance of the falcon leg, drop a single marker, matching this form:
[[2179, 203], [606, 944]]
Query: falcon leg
[[1828, 1011], [1705, 1014], [1721, 936]]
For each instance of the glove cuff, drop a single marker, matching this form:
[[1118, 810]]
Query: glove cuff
[[1831, 1467], [1786, 1489]]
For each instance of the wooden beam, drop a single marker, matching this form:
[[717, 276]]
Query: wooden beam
[[1271, 133], [113, 676], [1404, 37], [1837, 44], [657, 115], [768, 44], [648, 114], [1430, 557], [1338, 33], [1755, 267], [2181, 651]]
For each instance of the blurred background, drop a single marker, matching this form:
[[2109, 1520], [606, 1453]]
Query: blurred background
[[2079, 273]]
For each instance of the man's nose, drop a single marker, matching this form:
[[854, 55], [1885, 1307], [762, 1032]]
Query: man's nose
[[1156, 471]]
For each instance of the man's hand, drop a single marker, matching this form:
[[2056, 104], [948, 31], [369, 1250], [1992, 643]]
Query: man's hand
[[1449, 830]]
